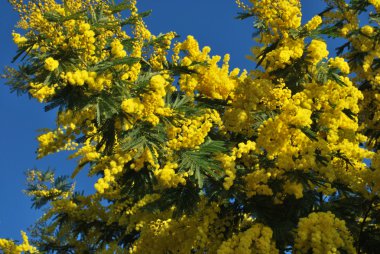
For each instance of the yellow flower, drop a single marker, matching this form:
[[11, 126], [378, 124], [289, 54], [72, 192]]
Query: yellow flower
[[367, 30], [18, 39], [132, 106], [338, 62], [117, 49], [317, 51], [51, 64], [42, 92], [323, 233], [9, 247], [313, 23]]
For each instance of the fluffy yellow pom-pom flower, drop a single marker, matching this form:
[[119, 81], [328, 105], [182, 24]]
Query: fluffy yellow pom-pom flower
[[51, 64]]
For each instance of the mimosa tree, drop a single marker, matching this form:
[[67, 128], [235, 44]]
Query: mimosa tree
[[191, 155]]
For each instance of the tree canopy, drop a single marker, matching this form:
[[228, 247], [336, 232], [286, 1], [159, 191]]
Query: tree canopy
[[191, 155]]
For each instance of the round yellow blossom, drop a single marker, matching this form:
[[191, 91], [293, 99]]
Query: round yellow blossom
[[168, 178], [256, 183], [41, 91], [313, 23], [323, 233], [367, 30], [293, 188], [257, 239], [317, 51], [18, 39], [117, 49], [9, 247], [51, 64], [340, 63], [132, 106]]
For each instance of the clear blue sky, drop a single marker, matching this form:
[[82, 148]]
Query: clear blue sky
[[210, 21]]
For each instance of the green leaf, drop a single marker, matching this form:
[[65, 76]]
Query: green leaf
[[213, 146], [201, 163], [132, 20], [23, 49], [244, 15], [106, 108], [337, 79], [179, 102], [124, 5], [53, 16], [145, 137], [182, 199], [309, 133], [349, 113], [107, 64]]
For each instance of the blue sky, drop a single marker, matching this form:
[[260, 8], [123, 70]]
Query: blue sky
[[211, 22]]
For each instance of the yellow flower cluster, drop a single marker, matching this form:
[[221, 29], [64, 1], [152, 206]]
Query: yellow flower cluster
[[87, 153], [192, 132], [280, 136], [340, 63], [73, 36], [51, 64], [367, 30], [293, 188], [243, 149], [142, 202], [256, 239], [64, 205], [288, 51], [94, 81], [45, 193], [70, 119], [317, 51], [217, 82], [154, 103], [82, 41], [18, 39], [158, 59], [9, 247], [291, 149], [209, 79], [133, 217], [117, 49], [54, 141], [256, 183], [323, 233], [250, 96], [160, 233], [63, 138], [313, 23], [278, 97], [111, 167], [151, 105], [132, 106], [228, 161], [42, 92], [229, 166], [363, 41], [167, 176], [278, 16]]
